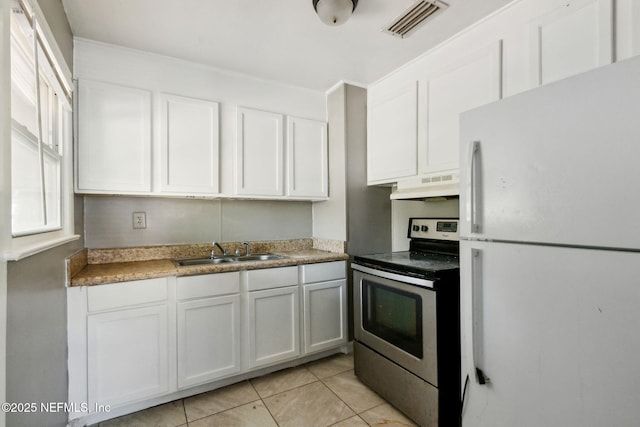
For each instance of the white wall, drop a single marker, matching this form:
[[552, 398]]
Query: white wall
[[330, 217], [402, 210]]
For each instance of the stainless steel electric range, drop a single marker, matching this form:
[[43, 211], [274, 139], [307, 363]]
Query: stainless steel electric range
[[407, 323]]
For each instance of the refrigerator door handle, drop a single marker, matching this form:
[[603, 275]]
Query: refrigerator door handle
[[472, 187], [476, 316]]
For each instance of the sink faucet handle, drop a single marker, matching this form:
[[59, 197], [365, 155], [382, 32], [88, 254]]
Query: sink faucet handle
[[247, 248]]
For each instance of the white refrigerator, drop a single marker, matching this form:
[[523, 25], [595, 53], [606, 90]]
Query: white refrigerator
[[550, 254]]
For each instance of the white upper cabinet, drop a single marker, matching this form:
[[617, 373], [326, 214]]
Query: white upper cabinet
[[413, 124], [413, 134], [114, 150], [114, 139], [392, 132], [266, 167], [190, 144], [183, 132], [259, 153], [576, 37], [307, 168], [470, 82]]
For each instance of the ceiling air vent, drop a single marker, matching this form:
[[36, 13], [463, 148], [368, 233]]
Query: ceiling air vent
[[417, 14]]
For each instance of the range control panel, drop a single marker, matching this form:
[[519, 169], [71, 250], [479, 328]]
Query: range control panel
[[433, 228]]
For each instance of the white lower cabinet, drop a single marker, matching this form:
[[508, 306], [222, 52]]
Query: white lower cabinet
[[132, 344], [208, 328], [324, 306], [271, 316], [127, 354], [325, 315], [128, 342], [273, 326], [208, 339]]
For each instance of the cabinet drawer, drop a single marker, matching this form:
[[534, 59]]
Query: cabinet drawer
[[272, 278], [323, 272], [208, 285], [117, 295]]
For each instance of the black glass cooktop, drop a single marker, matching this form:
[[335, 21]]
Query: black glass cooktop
[[412, 263]]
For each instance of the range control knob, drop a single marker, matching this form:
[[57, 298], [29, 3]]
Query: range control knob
[[424, 228]]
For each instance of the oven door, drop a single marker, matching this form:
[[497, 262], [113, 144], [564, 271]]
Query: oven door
[[397, 319]]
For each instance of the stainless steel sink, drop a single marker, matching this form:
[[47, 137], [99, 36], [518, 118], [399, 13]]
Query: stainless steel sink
[[259, 257], [227, 259], [203, 261]]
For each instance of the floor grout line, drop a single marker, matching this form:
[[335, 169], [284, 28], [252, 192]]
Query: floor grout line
[[264, 404], [184, 409], [319, 376]]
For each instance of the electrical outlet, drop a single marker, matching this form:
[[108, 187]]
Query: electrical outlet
[[139, 220]]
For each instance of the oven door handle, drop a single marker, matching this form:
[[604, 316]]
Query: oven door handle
[[477, 342], [424, 283]]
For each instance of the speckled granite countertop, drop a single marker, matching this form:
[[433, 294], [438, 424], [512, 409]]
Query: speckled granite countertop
[[100, 266]]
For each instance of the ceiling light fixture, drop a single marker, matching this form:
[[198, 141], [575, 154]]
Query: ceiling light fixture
[[334, 12]]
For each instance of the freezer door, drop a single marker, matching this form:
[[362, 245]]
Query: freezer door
[[556, 334], [558, 164]]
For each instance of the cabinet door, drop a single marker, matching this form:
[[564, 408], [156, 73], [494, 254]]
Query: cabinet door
[[392, 134], [325, 315], [190, 145], [208, 339], [114, 139], [576, 37], [469, 83], [306, 158], [272, 319], [127, 355], [259, 153]]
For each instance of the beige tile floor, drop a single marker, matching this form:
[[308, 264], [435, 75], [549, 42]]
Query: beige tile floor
[[318, 394]]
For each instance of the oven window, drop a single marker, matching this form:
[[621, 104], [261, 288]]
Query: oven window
[[393, 315]]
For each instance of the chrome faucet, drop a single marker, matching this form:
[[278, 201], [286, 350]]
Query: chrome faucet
[[247, 248], [216, 244]]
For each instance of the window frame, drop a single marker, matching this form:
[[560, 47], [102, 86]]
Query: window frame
[[58, 74]]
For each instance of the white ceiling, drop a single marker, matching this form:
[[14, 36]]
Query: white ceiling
[[280, 40]]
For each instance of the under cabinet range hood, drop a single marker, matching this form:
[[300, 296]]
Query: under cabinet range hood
[[437, 185]]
